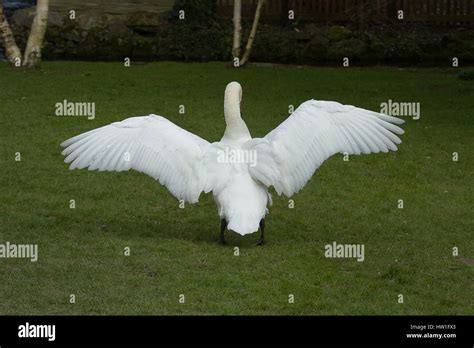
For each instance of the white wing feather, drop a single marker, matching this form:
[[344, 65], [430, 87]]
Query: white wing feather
[[288, 156], [149, 144]]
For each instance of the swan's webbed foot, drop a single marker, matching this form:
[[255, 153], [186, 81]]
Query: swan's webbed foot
[[222, 237], [261, 241]]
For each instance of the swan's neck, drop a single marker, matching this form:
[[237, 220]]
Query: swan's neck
[[236, 129]]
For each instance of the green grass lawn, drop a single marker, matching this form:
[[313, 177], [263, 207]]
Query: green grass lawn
[[174, 251]]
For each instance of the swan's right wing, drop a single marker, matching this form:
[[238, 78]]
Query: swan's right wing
[[288, 156], [148, 144]]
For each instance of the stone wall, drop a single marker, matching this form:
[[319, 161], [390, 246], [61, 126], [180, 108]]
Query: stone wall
[[100, 29], [104, 31], [111, 7]]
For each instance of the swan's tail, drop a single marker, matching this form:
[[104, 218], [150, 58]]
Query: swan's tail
[[243, 224], [242, 204]]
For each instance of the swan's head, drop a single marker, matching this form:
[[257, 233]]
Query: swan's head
[[236, 129], [232, 99], [233, 91]]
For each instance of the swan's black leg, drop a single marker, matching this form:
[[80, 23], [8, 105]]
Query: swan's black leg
[[261, 241], [223, 227]]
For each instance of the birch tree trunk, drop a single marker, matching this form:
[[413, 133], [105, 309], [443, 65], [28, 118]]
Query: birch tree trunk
[[12, 51], [253, 31], [36, 38], [237, 28]]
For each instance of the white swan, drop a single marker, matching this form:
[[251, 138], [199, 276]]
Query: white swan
[[238, 169]]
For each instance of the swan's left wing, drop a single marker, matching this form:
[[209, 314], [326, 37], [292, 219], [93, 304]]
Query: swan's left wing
[[148, 144], [288, 156]]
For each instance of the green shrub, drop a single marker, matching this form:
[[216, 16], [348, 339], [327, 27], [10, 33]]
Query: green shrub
[[275, 45], [197, 12], [403, 49], [467, 75], [461, 46], [316, 50], [184, 42], [338, 33], [201, 37], [351, 48]]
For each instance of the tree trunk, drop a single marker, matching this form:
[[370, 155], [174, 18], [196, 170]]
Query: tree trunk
[[36, 38], [253, 31], [12, 51], [237, 28]]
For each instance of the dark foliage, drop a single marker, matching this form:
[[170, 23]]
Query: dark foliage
[[196, 12], [203, 36]]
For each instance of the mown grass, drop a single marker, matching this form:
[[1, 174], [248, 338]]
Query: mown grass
[[174, 251]]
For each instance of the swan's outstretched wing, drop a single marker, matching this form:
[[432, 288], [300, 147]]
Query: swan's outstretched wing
[[149, 144], [288, 156]]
